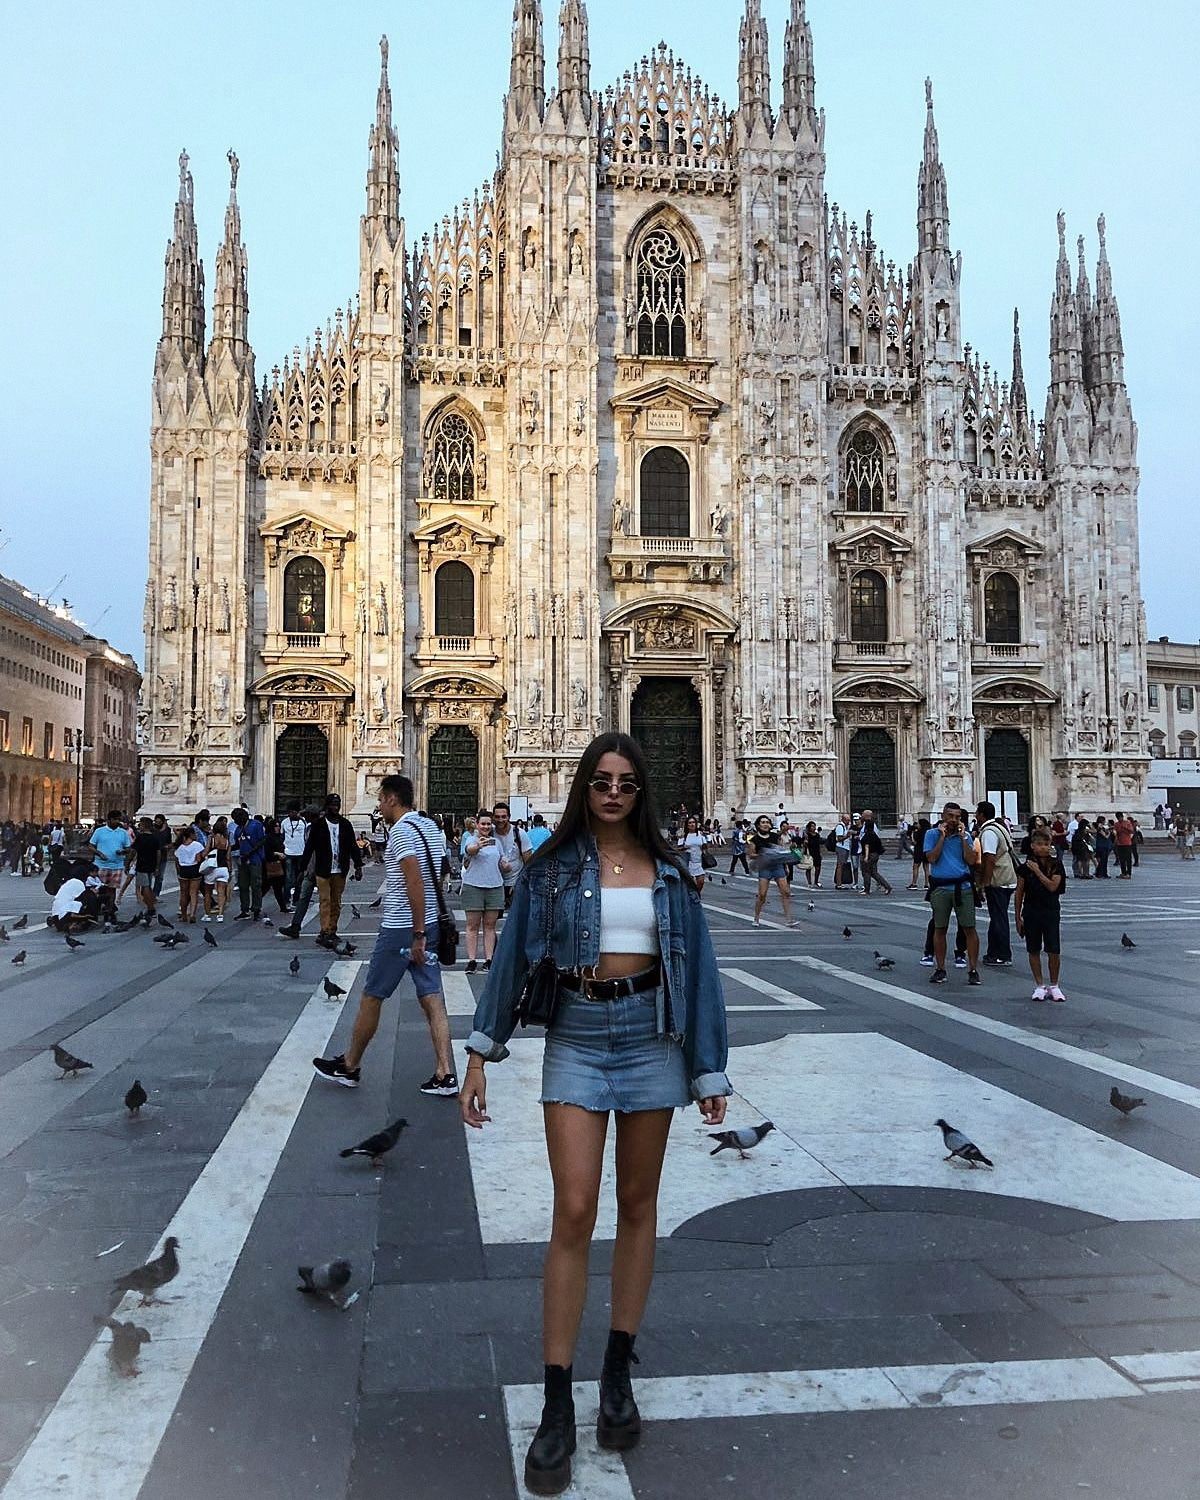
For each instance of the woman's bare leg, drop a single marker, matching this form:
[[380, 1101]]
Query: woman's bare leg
[[641, 1145], [473, 935], [575, 1144], [489, 934]]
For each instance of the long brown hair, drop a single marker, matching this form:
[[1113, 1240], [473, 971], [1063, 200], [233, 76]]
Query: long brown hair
[[643, 820]]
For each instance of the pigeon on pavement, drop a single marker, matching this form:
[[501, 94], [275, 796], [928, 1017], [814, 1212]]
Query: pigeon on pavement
[[742, 1140], [21, 923], [135, 1097], [377, 1146], [846, 933], [162, 921], [126, 1345], [357, 914], [812, 906], [1127, 941], [3, 933], [334, 991], [883, 963], [324, 1280], [210, 940], [74, 942], [1126, 1103], [18, 958], [147, 1279], [294, 966], [958, 1145], [67, 1061]]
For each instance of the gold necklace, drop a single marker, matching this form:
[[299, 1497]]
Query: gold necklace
[[617, 869]]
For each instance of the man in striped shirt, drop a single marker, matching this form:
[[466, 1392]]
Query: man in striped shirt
[[410, 900]]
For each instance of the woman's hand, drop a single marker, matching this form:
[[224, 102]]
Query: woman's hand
[[713, 1110], [472, 1099]]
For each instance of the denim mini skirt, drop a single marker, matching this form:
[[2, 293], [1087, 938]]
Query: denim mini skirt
[[607, 1054]]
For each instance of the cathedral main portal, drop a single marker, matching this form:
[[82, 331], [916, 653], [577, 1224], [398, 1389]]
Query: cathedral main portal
[[665, 720], [301, 767]]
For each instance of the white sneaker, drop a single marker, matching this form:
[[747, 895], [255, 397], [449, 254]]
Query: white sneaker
[[206, 918], [1039, 993], [220, 916], [757, 923], [1055, 993], [927, 961]]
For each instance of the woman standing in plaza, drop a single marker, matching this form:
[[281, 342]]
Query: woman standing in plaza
[[638, 1030], [483, 870], [693, 844], [774, 859]]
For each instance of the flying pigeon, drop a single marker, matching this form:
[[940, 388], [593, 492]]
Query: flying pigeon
[[162, 921], [74, 942], [135, 1097], [742, 1140], [356, 912], [147, 1279], [21, 923], [18, 958], [294, 966], [334, 991], [210, 940], [846, 933], [1127, 941], [126, 1345], [67, 1061], [324, 1280], [883, 963], [377, 1146], [377, 903], [958, 1145], [1126, 1103], [347, 950]]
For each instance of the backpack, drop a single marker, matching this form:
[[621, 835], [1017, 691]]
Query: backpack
[[1005, 852], [831, 841]]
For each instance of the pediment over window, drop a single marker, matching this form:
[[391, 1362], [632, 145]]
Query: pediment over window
[[665, 393], [1005, 549], [454, 534], [304, 532], [873, 544], [874, 690], [1014, 690]]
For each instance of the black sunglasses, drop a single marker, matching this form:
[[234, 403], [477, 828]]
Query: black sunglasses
[[626, 785]]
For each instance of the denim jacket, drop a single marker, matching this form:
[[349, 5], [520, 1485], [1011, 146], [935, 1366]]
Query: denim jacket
[[691, 1005]]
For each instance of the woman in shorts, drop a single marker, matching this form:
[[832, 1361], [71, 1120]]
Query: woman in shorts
[[189, 851], [774, 858], [693, 844], [483, 870], [216, 876]]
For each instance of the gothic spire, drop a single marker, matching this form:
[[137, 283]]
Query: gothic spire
[[183, 278], [1086, 313], [230, 299], [1110, 348], [527, 72], [1020, 402], [933, 207], [383, 174], [799, 83], [754, 63], [574, 62], [1066, 347]]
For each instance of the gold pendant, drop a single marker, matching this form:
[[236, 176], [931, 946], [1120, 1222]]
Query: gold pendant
[[618, 869]]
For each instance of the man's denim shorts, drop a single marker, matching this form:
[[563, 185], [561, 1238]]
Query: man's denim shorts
[[607, 1054], [392, 960]]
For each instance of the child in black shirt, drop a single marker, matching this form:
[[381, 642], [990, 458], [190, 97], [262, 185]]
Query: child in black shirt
[[1040, 882]]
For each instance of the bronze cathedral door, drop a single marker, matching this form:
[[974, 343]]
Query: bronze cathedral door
[[664, 718]]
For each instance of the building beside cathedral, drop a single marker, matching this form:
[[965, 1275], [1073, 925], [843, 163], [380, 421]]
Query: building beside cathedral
[[647, 433]]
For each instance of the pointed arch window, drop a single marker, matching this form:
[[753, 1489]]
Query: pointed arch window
[[452, 466], [864, 484], [868, 606], [304, 597], [666, 498], [454, 600], [661, 275], [1002, 610]]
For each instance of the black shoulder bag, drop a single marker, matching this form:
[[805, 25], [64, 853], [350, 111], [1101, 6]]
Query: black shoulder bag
[[538, 1000], [447, 936]]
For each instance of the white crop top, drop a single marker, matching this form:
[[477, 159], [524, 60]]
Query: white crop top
[[627, 920]]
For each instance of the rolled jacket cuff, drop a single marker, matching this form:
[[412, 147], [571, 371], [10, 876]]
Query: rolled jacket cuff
[[490, 1051], [710, 1086]]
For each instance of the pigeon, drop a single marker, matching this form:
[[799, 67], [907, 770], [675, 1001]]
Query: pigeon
[[846, 933], [162, 921], [147, 1279], [347, 950], [128, 926], [357, 914], [377, 1146], [324, 1280], [135, 1097], [1127, 941], [334, 991], [18, 958], [21, 924], [126, 1345], [883, 963], [74, 942], [210, 940], [812, 906], [3, 933], [68, 1062], [742, 1140], [958, 1145], [294, 966], [377, 903], [172, 940], [1126, 1103]]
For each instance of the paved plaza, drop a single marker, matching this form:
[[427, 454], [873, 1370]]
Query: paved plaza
[[843, 1314]]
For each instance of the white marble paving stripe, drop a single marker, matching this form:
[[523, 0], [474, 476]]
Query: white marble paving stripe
[[1175, 1364], [460, 998], [1169, 1088], [102, 1433], [748, 917], [595, 1474], [787, 998]]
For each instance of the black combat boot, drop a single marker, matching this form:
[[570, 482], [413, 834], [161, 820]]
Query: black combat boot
[[548, 1462], [619, 1425]]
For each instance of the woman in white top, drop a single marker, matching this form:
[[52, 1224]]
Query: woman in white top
[[692, 843], [189, 851], [483, 872]]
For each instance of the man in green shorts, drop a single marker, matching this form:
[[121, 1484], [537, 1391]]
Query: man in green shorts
[[951, 855]]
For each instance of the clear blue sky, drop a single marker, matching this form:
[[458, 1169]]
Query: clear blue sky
[[1084, 106]]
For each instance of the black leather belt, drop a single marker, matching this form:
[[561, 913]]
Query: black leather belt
[[611, 989]]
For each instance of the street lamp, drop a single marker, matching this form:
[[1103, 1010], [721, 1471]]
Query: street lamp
[[78, 746]]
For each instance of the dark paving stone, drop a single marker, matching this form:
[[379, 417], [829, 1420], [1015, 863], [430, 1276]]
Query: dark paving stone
[[762, 1219], [416, 1362], [432, 1444], [1009, 1335], [671, 1255], [883, 1238], [1083, 1302], [441, 1261], [1047, 1218], [1142, 1338]]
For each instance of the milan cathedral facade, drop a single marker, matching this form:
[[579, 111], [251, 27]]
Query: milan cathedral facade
[[646, 433]]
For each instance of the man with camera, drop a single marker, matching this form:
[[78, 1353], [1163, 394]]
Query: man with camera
[[952, 856]]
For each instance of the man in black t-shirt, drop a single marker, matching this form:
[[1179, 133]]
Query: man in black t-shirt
[[147, 850], [1040, 883]]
